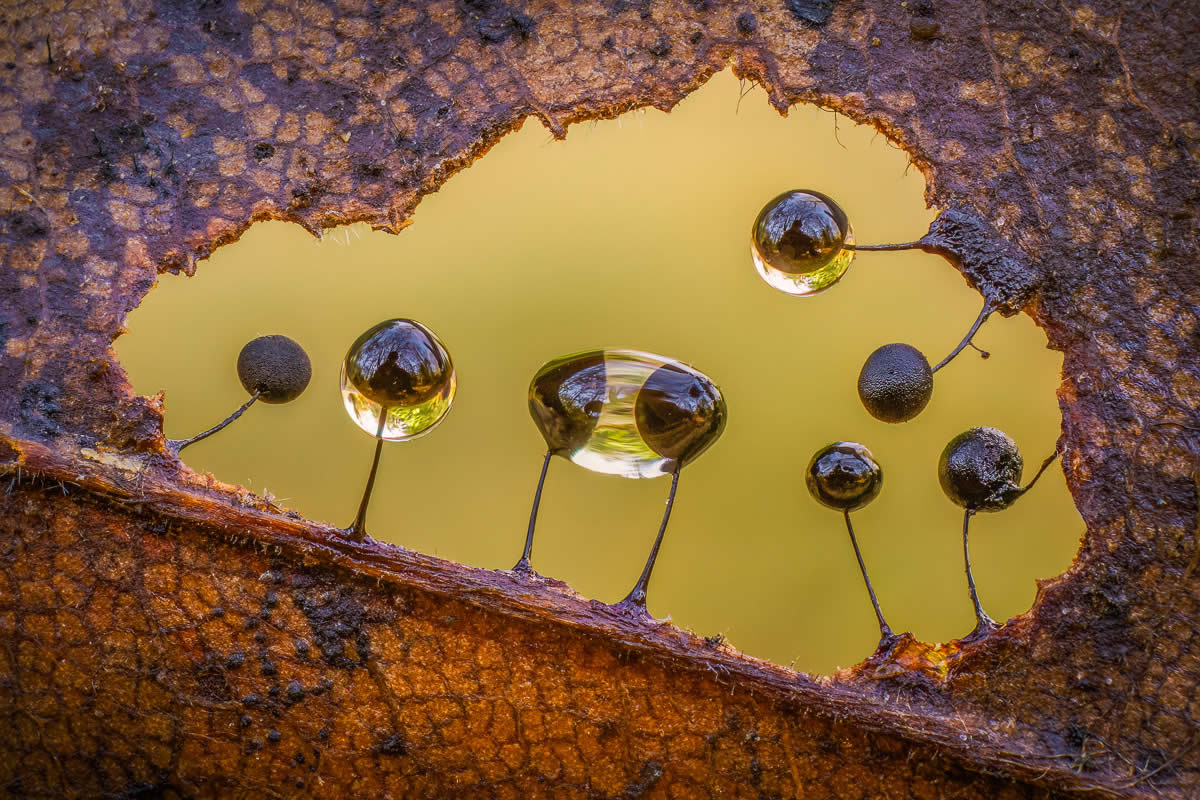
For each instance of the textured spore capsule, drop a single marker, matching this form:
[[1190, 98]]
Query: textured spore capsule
[[625, 412], [274, 366], [895, 383], [798, 242], [400, 372], [980, 470], [844, 476], [273, 369]]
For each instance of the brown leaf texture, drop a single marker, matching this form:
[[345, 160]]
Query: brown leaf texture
[[164, 635]]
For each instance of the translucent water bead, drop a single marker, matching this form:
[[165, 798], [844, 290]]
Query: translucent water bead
[[625, 412], [398, 372], [798, 242]]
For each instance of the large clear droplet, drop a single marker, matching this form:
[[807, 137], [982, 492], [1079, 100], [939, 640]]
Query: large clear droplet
[[400, 373], [798, 242], [625, 412]]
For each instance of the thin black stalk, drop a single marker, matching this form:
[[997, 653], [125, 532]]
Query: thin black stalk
[[524, 564], [901, 246], [637, 598], [358, 528], [983, 623], [1045, 464], [988, 308], [885, 632], [176, 445]]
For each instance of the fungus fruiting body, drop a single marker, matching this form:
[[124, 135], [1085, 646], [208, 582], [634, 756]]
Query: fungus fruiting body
[[398, 383], [980, 470], [627, 413], [274, 369], [845, 476]]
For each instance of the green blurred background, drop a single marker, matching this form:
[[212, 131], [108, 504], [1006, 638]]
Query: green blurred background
[[634, 233]]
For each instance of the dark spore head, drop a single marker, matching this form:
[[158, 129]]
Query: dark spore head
[[844, 476], [980, 470], [274, 366], [896, 383], [679, 413], [566, 397]]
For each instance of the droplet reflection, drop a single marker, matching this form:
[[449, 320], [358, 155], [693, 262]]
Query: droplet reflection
[[798, 242]]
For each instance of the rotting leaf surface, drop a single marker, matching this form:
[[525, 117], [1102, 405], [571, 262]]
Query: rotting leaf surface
[[165, 635]]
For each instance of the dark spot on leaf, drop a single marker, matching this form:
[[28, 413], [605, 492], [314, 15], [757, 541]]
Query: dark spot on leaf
[[370, 170], [394, 745], [26, 226], [651, 772], [812, 12], [923, 30], [210, 682]]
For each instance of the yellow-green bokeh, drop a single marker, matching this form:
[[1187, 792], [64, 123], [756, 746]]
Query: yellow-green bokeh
[[634, 233]]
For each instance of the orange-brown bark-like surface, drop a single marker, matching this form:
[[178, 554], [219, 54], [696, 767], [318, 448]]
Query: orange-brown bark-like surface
[[164, 635]]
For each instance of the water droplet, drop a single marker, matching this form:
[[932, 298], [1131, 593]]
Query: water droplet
[[844, 476], [398, 370], [798, 242], [625, 412]]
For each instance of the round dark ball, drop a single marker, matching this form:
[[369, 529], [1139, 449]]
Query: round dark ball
[[801, 231], [844, 475], [274, 366], [896, 383], [980, 470]]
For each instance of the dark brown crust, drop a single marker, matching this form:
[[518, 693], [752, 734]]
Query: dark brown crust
[[1060, 142]]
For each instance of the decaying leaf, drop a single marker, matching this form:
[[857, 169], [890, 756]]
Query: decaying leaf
[[164, 635]]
